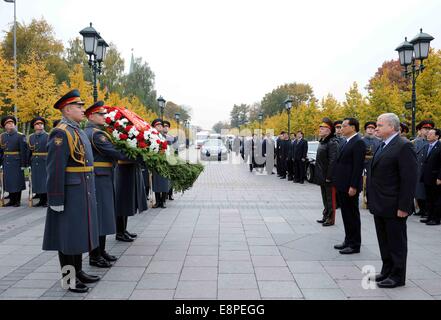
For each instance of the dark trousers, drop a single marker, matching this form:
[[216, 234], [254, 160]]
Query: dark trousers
[[15, 197], [74, 260], [351, 219], [299, 170], [98, 251], [161, 197], [392, 239], [43, 198], [290, 165], [281, 166], [121, 224], [170, 192], [433, 202], [328, 211]]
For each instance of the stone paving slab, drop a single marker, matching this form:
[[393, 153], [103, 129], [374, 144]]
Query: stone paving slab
[[234, 235]]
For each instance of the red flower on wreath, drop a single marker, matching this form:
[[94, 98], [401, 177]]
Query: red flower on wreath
[[164, 145], [117, 125], [123, 136], [142, 144], [108, 120], [128, 128], [118, 115]]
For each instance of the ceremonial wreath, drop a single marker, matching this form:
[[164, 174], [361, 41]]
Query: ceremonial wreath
[[137, 138]]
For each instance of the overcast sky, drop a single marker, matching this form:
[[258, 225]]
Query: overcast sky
[[212, 54]]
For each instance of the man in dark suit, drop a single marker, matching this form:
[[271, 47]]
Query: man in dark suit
[[347, 179], [291, 157], [300, 153], [390, 192], [431, 177]]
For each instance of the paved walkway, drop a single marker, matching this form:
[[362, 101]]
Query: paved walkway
[[235, 235]]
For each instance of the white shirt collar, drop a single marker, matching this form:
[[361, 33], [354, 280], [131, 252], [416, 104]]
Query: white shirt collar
[[386, 142], [347, 140]]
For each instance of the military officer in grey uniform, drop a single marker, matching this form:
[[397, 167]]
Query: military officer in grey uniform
[[171, 141], [130, 196], [160, 185], [13, 158], [37, 146], [105, 157], [71, 221], [419, 144], [371, 142]]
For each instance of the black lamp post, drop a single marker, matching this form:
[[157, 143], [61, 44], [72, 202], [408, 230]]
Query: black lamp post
[[177, 117], [161, 103], [187, 133], [260, 121], [95, 47], [288, 106], [409, 52]]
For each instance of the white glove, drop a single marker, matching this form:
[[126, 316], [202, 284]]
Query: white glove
[[57, 208]]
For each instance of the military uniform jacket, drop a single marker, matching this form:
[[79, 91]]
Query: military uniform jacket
[[37, 146], [419, 145], [70, 183], [13, 157], [159, 183], [371, 146], [105, 157]]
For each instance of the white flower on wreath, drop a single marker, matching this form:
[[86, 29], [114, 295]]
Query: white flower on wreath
[[132, 143], [115, 134], [133, 132], [111, 115]]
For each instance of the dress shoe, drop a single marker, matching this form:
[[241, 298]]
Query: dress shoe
[[290, 179], [379, 277], [302, 182], [87, 278], [123, 237], [321, 220], [131, 235], [109, 257], [340, 246], [349, 250], [171, 198], [389, 283], [425, 220], [16, 205], [79, 287], [99, 262], [283, 177], [163, 206], [328, 223], [9, 204], [432, 223]]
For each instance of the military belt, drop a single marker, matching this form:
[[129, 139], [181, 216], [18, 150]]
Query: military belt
[[103, 164], [39, 154], [125, 162], [11, 153], [79, 169]]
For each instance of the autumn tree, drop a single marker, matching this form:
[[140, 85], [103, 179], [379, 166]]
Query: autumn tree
[[36, 91], [7, 81], [239, 115]]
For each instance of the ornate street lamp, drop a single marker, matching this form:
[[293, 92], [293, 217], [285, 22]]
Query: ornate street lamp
[[288, 106], [15, 51], [161, 103], [260, 121], [177, 117], [408, 52], [95, 47]]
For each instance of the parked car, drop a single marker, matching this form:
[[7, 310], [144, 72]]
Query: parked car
[[310, 161], [214, 149]]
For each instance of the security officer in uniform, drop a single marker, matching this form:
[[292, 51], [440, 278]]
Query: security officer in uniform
[[371, 142], [13, 158], [105, 156], [170, 140], [71, 221], [338, 136], [37, 146], [160, 185]]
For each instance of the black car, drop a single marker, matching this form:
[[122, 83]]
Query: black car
[[310, 161]]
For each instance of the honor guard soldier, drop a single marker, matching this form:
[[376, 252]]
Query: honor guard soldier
[[160, 185], [13, 158], [170, 141], [37, 146], [420, 143], [372, 143], [71, 221], [105, 156], [130, 196]]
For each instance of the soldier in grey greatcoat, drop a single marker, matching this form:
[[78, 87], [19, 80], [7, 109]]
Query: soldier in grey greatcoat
[[371, 142], [160, 185], [105, 157], [268, 153], [420, 143], [37, 146], [71, 221], [13, 158]]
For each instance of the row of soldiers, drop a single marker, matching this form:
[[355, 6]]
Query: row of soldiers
[[90, 186]]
